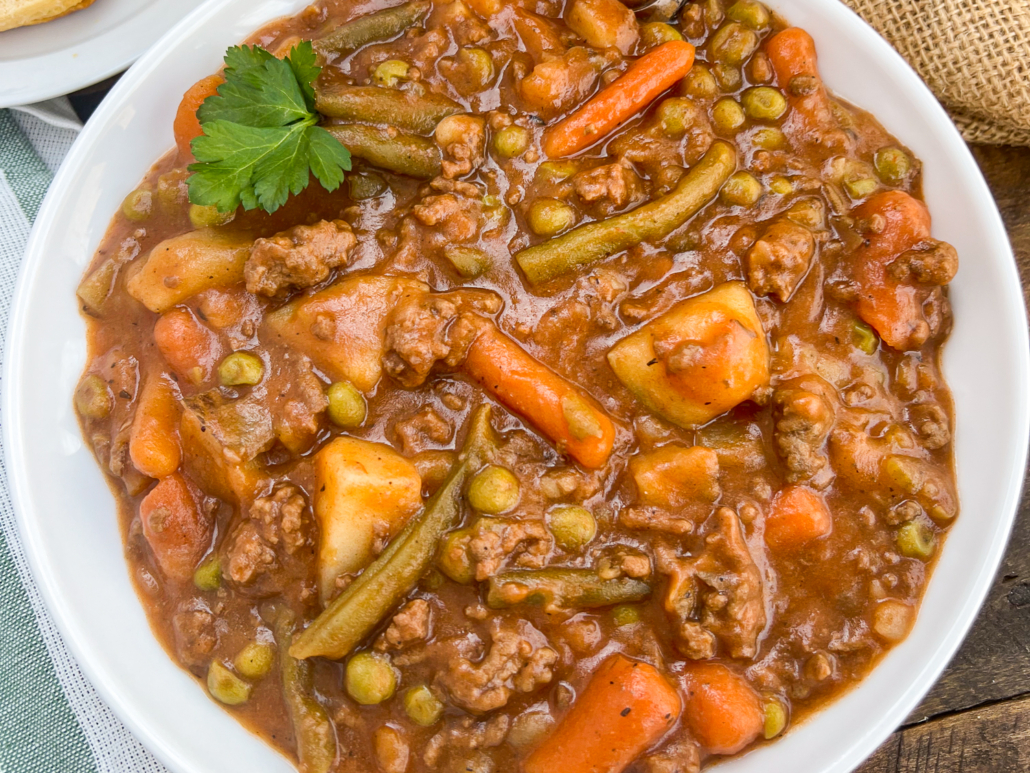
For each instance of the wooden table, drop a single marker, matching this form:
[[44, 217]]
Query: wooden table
[[976, 719]]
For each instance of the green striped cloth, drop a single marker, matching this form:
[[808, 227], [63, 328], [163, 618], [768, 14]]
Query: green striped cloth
[[51, 718]]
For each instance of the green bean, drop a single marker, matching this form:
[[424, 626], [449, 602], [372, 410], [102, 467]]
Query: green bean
[[626, 614], [656, 220], [365, 186], [401, 153], [241, 369], [382, 25], [372, 104], [314, 732], [347, 406], [494, 490], [255, 660], [93, 399], [865, 337], [562, 589], [356, 612]]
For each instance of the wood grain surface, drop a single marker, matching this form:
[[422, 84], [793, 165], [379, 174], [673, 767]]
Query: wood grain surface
[[976, 719]]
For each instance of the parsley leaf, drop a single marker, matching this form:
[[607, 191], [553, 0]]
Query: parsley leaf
[[261, 142]]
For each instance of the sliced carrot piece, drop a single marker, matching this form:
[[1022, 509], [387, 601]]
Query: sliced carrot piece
[[175, 525], [154, 436], [188, 345], [792, 55], [797, 516], [624, 710], [649, 76], [721, 709], [186, 125], [562, 411]]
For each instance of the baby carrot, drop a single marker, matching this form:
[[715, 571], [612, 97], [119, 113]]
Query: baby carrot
[[186, 125], [188, 346], [178, 530], [648, 77], [798, 515], [792, 55], [563, 412], [154, 436], [721, 709], [624, 710], [893, 308]]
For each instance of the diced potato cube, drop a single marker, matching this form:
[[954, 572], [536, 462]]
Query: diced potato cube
[[215, 468], [180, 267], [604, 24], [342, 327], [701, 358], [674, 476], [364, 492]]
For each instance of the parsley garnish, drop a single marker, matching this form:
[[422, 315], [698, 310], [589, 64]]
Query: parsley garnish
[[260, 140]]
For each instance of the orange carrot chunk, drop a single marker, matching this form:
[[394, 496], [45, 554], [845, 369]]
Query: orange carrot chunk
[[624, 710], [186, 125], [894, 308], [797, 516], [154, 436], [559, 409], [188, 345], [638, 87], [175, 525], [792, 55], [721, 709]]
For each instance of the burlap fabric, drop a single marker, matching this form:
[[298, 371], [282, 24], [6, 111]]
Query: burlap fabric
[[974, 55]]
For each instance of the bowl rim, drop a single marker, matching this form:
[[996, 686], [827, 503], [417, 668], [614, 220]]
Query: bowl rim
[[17, 338]]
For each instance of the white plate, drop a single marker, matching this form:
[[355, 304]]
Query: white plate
[[66, 513], [82, 48]]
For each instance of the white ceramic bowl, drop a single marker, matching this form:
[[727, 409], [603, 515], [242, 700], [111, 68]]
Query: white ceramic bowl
[[66, 513]]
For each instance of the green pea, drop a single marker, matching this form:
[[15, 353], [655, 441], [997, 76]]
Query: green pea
[[138, 205], [861, 187], [512, 141], [422, 707], [494, 490], [208, 576], [676, 116], [370, 678], [478, 64], [172, 190], [865, 337], [225, 686], [555, 171], [391, 71], [916, 539], [732, 44], [365, 186], [208, 217], [811, 213], [529, 728], [750, 13], [548, 217], [655, 33], [454, 560], [626, 614], [700, 83], [727, 116], [727, 76], [255, 660], [892, 165], [241, 369], [347, 406], [781, 186], [774, 718], [764, 103], [93, 399], [741, 190], [572, 526], [467, 261], [769, 138]]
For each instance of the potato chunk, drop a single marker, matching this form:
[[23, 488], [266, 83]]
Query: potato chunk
[[342, 327], [364, 493], [699, 359], [180, 267], [604, 24], [674, 476]]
